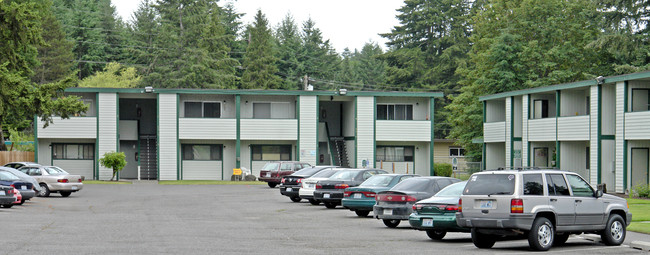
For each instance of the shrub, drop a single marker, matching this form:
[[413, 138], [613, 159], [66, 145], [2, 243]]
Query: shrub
[[442, 169], [113, 160], [641, 191]]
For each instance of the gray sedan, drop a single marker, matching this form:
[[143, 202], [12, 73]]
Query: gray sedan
[[53, 179]]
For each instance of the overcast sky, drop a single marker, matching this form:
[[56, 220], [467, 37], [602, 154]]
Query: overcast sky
[[346, 23]]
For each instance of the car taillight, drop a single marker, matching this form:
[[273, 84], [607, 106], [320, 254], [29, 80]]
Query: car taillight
[[318, 186], [299, 181], [369, 194], [341, 186], [451, 208], [516, 205], [395, 198], [460, 205], [417, 207], [12, 186], [10, 192], [347, 193], [62, 180], [80, 180]]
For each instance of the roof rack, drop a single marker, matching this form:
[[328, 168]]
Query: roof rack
[[523, 168]]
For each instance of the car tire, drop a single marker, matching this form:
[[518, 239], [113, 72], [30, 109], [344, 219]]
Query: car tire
[[45, 192], [65, 193], [8, 206], [362, 213], [330, 205], [314, 201], [560, 239], [614, 233], [22, 201], [436, 234], [295, 199], [391, 223], [482, 241], [541, 235], [272, 184]]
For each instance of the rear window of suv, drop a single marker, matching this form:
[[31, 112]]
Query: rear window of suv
[[490, 184]]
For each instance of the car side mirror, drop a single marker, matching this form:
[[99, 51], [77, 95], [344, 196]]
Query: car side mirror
[[599, 193]]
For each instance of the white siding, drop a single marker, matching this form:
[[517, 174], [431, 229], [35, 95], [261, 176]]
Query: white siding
[[573, 128], [518, 117], [608, 110], [494, 132], [574, 102], [420, 105], [495, 155], [129, 130], [107, 140], [620, 134], [524, 130], [608, 161], [573, 157], [246, 111], [403, 130], [508, 133], [593, 141], [80, 167], [207, 128], [397, 167], [256, 166], [637, 125], [365, 130], [74, 127], [202, 170], [269, 129], [541, 129], [167, 137]]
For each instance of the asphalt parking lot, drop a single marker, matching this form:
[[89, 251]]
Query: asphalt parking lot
[[147, 218]]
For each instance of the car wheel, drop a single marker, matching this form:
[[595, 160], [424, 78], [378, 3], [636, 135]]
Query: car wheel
[[614, 233], [560, 239], [361, 213], [541, 235], [436, 234], [295, 199], [314, 201], [45, 192], [8, 206], [391, 223], [330, 205], [272, 184], [482, 241], [22, 201], [65, 193]]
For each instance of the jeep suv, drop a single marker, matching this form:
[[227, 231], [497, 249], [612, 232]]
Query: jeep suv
[[545, 206]]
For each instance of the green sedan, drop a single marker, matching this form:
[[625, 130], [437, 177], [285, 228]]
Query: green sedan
[[361, 199], [437, 215]]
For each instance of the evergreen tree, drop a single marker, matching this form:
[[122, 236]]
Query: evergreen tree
[[259, 61], [369, 68], [55, 54], [317, 57], [143, 29], [288, 41]]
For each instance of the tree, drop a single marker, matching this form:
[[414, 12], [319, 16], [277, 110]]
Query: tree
[[113, 76], [317, 57], [55, 54], [259, 62], [288, 48], [113, 160], [370, 69]]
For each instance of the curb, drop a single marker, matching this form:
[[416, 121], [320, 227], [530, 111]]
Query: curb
[[640, 245]]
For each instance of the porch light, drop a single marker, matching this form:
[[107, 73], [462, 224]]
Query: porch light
[[148, 89]]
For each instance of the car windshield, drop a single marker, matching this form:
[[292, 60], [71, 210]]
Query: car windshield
[[378, 181], [7, 176], [490, 184], [453, 190], [344, 175], [413, 184], [270, 166], [309, 171], [55, 171], [324, 173]]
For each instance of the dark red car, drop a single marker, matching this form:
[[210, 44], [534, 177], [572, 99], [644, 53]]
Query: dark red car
[[273, 172]]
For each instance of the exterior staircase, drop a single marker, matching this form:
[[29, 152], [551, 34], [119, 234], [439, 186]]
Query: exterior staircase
[[148, 157], [339, 152]]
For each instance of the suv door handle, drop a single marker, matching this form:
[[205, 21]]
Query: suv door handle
[[578, 201], [553, 199]]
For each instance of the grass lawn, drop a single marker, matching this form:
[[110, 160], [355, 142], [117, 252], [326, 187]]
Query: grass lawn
[[640, 209], [186, 182], [105, 182]]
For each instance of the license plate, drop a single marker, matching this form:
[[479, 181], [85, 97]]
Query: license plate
[[289, 189], [427, 222], [326, 195], [309, 186], [486, 204], [357, 195], [24, 187], [268, 174], [388, 211], [2, 193], [74, 187]]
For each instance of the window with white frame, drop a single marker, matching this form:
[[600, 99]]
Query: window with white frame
[[395, 153], [272, 110], [271, 152], [202, 110], [456, 152], [202, 152], [394, 111], [73, 151]]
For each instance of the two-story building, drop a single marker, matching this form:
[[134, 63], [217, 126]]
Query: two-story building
[[190, 134], [598, 128]]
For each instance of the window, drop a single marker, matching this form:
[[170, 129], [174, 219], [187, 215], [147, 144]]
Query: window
[[73, 151], [640, 100], [494, 184], [541, 108], [556, 185], [202, 152], [395, 153], [395, 112], [579, 186], [274, 110], [456, 152], [202, 110], [533, 184], [271, 152]]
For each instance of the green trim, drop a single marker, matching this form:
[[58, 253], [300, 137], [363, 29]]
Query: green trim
[[318, 131], [517, 139], [625, 165], [327, 130], [483, 157], [356, 133], [599, 134], [257, 92], [349, 138], [529, 154], [432, 107], [625, 99], [374, 133], [298, 128], [512, 131], [96, 165], [625, 110], [558, 104], [484, 112], [117, 128], [557, 154], [608, 137], [579, 84], [238, 138], [36, 138], [179, 167], [158, 136]]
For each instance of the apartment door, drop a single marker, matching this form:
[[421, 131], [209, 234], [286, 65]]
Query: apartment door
[[639, 166]]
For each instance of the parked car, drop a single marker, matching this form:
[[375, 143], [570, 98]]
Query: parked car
[[23, 177], [544, 206], [7, 198], [437, 215], [290, 184], [309, 184], [18, 197], [330, 191], [396, 204], [16, 165], [273, 172], [361, 199], [53, 179], [26, 188]]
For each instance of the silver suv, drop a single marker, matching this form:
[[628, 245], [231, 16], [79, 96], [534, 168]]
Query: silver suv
[[545, 206]]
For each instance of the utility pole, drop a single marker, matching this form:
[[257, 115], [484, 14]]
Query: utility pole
[[305, 81]]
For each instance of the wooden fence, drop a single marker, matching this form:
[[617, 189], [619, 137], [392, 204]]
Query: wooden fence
[[14, 156]]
